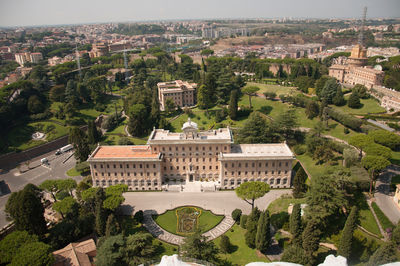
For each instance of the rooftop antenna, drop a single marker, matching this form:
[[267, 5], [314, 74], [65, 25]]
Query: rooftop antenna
[[126, 66], [361, 34], [78, 60]]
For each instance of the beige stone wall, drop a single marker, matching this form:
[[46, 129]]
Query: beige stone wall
[[277, 173], [143, 175]]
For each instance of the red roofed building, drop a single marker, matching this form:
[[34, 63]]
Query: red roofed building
[[76, 254]]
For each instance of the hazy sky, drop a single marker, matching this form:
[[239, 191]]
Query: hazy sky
[[49, 12]]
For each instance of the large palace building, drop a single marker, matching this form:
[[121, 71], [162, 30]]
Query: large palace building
[[191, 156], [353, 70]]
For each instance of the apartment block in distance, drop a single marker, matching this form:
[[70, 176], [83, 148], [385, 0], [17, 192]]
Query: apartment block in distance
[[191, 156], [182, 93]]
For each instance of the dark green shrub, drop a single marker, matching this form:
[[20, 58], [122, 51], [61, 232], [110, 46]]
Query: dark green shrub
[[236, 213]]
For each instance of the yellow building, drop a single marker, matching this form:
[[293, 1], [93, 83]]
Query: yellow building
[[191, 156]]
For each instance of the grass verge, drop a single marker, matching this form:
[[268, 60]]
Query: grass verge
[[385, 222]]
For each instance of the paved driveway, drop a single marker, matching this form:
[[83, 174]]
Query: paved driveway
[[15, 181], [384, 199], [222, 202]]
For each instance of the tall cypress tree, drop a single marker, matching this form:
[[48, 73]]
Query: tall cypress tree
[[233, 105], [311, 238], [251, 226], [299, 185], [386, 253], [339, 100], [263, 236], [100, 221], [112, 227], [354, 100], [295, 224], [93, 133], [347, 234]]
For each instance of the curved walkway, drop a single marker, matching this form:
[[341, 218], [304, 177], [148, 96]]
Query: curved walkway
[[165, 236]]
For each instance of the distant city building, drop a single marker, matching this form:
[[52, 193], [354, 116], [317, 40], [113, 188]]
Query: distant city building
[[23, 58], [191, 156], [182, 93], [353, 70], [390, 103], [54, 61], [98, 49]]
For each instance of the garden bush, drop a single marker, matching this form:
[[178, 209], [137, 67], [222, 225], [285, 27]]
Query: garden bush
[[345, 119], [279, 219], [236, 213], [139, 216], [243, 221]]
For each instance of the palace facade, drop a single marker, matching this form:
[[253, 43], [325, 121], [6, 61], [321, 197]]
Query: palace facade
[[353, 70], [191, 156]]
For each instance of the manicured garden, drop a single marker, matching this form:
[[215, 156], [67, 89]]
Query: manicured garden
[[278, 89], [369, 106], [185, 220]]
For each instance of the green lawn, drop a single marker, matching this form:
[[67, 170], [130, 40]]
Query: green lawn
[[199, 117], [273, 88], [282, 204], [365, 216], [20, 137], [73, 172], [383, 220], [168, 220], [369, 106], [241, 254]]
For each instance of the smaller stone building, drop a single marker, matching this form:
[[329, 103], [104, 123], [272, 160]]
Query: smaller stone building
[[76, 254], [182, 93]]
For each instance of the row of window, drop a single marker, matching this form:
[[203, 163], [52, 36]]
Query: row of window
[[259, 172], [193, 167], [127, 174], [190, 154], [271, 181], [129, 182], [177, 148], [127, 166], [183, 160], [259, 164]]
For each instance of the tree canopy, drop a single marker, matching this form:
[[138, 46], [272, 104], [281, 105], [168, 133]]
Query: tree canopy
[[250, 191]]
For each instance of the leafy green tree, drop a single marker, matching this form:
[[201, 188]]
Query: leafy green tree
[[225, 244], [33, 254], [66, 206], [251, 226], [295, 254], [329, 90], [263, 236], [113, 202], [169, 106], [50, 186], [299, 183], [250, 91], [12, 242], [378, 150], [100, 213], [312, 109], [286, 122], [295, 224], [139, 248], [256, 130], [310, 239], [324, 199], [35, 105], [374, 165], [111, 252], [236, 214], [360, 141], [250, 191], [350, 156], [196, 246], [243, 221], [354, 101], [385, 138], [319, 84], [233, 105], [386, 253], [26, 209], [347, 234], [56, 93], [361, 90], [338, 99], [79, 139], [304, 83], [67, 185], [207, 52]]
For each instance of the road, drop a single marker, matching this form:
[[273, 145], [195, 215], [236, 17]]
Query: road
[[222, 202], [384, 199], [36, 175]]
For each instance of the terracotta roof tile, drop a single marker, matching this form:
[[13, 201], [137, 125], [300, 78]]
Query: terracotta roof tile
[[137, 151]]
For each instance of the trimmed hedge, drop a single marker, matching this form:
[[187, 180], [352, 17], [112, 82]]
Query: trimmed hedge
[[345, 119], [385, 222]]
